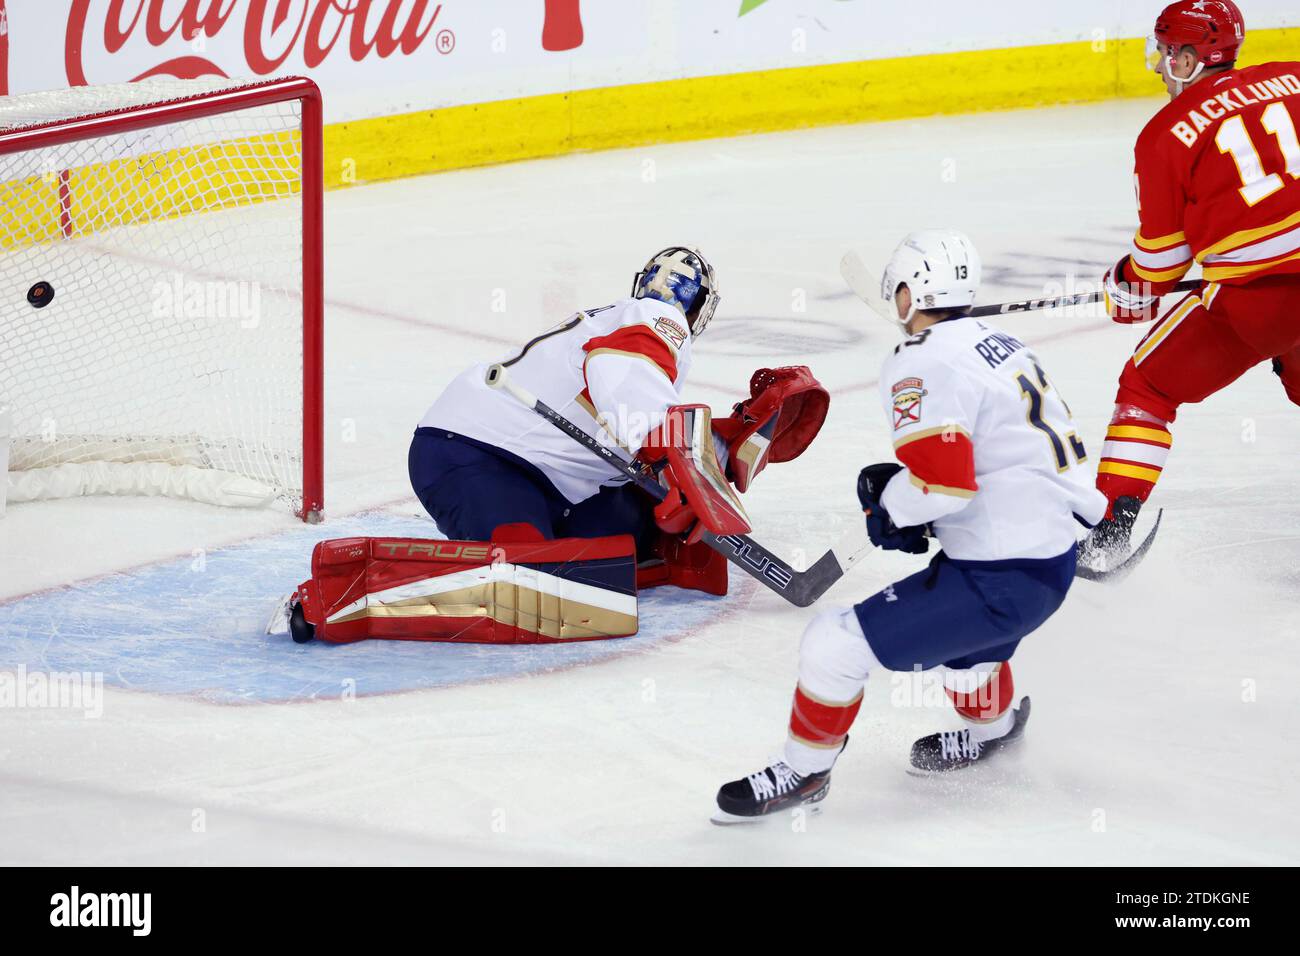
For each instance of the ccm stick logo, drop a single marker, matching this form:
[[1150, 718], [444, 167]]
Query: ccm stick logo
[[750, 554]]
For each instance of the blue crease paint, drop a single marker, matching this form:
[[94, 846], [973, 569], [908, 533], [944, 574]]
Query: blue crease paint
[[197, 629]]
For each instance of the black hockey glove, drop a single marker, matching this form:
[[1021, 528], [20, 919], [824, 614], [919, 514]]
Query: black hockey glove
[[880, 527]]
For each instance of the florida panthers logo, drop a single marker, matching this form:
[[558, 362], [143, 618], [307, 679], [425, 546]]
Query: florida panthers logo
[[907, 395]]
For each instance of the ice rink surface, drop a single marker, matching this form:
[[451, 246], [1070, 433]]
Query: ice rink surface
[[1165, 713]]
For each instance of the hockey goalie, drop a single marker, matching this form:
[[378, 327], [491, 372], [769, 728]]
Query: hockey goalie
[[545, 540]]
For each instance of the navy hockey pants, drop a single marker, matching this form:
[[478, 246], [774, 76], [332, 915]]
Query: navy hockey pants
[[962, 613], [470, 488]]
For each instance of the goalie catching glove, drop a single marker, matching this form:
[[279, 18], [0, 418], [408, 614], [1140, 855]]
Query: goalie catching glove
[[783, 414]]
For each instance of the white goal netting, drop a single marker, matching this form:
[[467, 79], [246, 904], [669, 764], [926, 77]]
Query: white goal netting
[[151, 295]]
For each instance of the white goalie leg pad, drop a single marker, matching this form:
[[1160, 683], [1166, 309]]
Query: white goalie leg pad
[[834, 663]]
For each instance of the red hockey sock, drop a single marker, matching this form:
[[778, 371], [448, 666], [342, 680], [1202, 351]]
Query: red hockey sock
[[1137, 445], [990, 700], [820, 723]]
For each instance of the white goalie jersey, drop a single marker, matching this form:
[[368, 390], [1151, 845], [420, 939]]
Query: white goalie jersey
[[612, 371], [992, 459]]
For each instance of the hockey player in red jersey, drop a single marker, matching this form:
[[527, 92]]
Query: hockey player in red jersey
[[1218, 183]]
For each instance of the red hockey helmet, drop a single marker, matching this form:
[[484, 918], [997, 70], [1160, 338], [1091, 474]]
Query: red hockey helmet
[[1214, 28]]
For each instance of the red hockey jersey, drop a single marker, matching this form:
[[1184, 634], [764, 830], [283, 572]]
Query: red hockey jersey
[[1218, 180]]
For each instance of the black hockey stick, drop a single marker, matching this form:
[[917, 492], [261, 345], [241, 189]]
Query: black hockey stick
[[1060, 301], [867, 288], [800, 588]]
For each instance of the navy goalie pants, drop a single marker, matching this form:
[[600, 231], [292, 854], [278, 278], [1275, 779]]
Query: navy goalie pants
[[471, 488], [962, 613]]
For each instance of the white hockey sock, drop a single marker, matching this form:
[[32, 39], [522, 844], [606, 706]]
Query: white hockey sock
[[834, 661]]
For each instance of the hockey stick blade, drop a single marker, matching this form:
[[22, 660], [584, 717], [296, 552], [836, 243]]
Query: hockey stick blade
[[800, 588], [1125, 567], [863, 283]]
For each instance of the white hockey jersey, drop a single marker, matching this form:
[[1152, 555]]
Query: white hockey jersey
[[624, 363], [991, 454]]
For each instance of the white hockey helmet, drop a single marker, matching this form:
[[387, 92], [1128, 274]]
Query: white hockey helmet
[[680, 276], [940, 267]]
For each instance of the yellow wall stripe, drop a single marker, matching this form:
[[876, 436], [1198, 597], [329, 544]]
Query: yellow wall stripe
[[765, 101], [506, 130]]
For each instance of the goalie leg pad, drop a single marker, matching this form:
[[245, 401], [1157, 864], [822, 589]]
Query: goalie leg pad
[[693, 567], [517, 592]]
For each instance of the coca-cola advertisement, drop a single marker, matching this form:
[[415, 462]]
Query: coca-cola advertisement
[[371, 57]]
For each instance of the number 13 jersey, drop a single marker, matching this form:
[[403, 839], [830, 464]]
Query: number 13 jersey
[[992, 459]]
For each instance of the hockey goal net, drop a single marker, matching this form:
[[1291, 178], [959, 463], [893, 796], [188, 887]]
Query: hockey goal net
[[160, 291]]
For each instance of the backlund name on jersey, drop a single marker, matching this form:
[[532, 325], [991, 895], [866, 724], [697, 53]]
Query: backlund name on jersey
[[1198, 120]]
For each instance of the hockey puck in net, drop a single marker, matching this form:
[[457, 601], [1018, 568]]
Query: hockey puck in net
[[40, 295]]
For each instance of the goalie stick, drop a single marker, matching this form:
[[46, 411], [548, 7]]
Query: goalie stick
[[864, 284], [800, 588]]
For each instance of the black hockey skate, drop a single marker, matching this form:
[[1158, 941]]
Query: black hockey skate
[[771, 790], [955, 750]]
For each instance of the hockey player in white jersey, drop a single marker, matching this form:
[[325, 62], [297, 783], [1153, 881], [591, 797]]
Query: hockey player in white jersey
[[487, 468], [990, 465]]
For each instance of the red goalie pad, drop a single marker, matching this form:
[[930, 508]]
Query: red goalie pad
[[535, 592], [783, 414]]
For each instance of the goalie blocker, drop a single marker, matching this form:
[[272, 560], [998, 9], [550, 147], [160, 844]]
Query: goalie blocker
[[489, 592], [703, 463]]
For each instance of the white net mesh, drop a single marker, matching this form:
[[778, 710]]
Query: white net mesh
[[173, 335]]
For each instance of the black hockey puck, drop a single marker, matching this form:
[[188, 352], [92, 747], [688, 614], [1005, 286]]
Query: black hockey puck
[[40, 295]]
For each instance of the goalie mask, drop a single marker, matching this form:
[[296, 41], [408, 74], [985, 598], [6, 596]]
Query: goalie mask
[[680, 276]]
